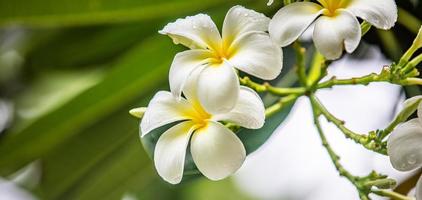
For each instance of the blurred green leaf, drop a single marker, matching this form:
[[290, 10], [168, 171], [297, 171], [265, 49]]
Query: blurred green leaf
[[65, 166], [409, 21], [52, 90], [81, 47], [143, 68], [84, 12], [72, 162], [205, 189], [391, 44], [125, 168]]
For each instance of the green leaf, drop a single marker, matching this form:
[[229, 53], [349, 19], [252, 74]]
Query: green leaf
[[125, 168], [71, 162], [206, 189], [84, 46], [46, 93], [85, 12], [144, 68]]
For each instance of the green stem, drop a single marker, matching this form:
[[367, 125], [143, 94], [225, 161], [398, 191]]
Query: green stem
[[384, 76], [364, 80], [300, 62], [385, 183], [362, 184], [404, 60], [412, 81], [287, 2], [339, 123], [266, 87], [366, 141], [415, 61], [271, 110], [333, 156], [391, 194], [317, 70]]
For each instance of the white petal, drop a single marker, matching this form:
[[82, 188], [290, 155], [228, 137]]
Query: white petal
[[197, 31], [382, 14], [292, 20], [419, 189], [216, 151], [190, 89], [404, 146], [240, 20], [170, 151], [249, 111], [332, 34], [163, 109], [256, 54], [183, 65], [218, 88]]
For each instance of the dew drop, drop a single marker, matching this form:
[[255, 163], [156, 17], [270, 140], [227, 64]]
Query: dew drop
[[411, 159]]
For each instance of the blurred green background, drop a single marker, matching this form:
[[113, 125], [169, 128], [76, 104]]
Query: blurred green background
[[69, 72]]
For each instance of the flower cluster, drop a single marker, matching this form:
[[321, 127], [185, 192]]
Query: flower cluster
[[205, 90]]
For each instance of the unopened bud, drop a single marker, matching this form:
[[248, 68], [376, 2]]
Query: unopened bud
[[138, 112]]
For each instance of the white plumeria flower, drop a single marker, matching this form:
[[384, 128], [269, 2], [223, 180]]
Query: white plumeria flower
[[215, 149], [244, 45], [405, 145], [336, 24]]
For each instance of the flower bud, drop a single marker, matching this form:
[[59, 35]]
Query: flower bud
[[138, 112]]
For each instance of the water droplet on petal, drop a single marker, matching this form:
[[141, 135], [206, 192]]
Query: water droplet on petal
[[411, 159]]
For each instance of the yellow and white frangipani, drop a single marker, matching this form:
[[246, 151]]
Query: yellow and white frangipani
[[405, 145], [215, 149], [336, 25], [244, 45]]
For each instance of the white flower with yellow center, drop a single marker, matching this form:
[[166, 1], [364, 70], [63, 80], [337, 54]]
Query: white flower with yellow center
[[215, 149], [336, 25], [244, 45], [405, 145]]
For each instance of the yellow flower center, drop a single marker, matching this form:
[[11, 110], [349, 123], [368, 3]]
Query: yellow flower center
[[221, 53], [198, 115], [331, 6]]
